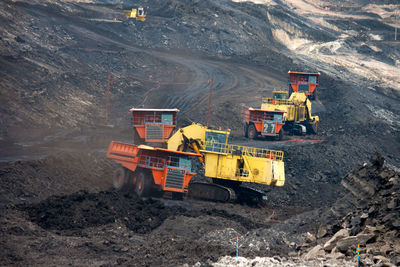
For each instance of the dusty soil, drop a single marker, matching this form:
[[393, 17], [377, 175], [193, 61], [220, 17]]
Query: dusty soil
[[55, 186]]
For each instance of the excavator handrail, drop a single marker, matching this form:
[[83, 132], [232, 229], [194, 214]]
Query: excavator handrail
[[222, 148], [269, 100]]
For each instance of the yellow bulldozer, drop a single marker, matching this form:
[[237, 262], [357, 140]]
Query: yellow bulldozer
[[297, 113]]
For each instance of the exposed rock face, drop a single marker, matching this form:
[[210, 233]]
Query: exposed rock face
[[368, 216]]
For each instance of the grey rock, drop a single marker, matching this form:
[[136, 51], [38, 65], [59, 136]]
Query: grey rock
[[330, 244], [309, 238], [347, 243], [315, 252], [355, 221], [396, 224], [396, 260], [392, 204], [377, 160], [379, 259], [371, 210], [321, 232]]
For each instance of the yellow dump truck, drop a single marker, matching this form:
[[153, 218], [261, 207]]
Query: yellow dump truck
[[297, 116], [228, 165]]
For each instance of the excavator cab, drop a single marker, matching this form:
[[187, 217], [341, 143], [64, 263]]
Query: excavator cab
[[140, 11], [141, 16], [280, 95], [216, 140]]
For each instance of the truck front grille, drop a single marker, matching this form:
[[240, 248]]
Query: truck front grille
[[175, 178]]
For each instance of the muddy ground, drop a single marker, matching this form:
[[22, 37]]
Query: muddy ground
[[57, 204]]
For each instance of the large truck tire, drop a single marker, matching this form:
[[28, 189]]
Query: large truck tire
[[120, 178], [280, 135], [246, 128], [143, 183], [252, 131]]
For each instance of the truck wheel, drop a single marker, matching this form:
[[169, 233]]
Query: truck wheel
[[246, 128], [120, 178], [132, 179], [252, 132], [143, 183], [280, 136]]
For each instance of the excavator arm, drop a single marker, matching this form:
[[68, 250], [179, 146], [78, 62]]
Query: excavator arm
[[192, 136]]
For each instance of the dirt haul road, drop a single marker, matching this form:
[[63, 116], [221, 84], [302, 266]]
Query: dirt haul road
[[55, 60]]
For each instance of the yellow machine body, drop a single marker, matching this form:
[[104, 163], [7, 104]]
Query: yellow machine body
[[193, 133], [297, 108], [244, 164], [138, 14], [230, 162]]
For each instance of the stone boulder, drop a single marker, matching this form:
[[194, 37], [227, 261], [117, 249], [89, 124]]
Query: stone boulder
[[331, 243]]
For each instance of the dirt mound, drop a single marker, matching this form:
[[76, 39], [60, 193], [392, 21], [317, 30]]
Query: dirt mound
[[59, 174], [82, 209]]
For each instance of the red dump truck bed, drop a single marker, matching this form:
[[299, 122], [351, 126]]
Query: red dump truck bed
[[154, 125], [146, 168]]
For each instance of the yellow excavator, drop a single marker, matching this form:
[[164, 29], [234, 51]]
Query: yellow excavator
[[228, 165], [297, 113], [137, 14]]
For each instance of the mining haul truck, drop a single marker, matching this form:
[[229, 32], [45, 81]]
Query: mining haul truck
[[148, 170], [263, 122]]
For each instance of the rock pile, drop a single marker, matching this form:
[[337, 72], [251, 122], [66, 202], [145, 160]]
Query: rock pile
[[368, 217]]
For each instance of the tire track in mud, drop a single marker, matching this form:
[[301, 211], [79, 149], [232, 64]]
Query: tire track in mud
[[227, 76]]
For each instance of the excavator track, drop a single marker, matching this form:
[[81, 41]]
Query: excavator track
[[209, 191], [250, 196]]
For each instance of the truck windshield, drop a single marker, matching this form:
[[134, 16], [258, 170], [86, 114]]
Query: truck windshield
[[278, 118]]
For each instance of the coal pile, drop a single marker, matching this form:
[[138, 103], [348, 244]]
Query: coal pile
[[82, 209], [368, 217]]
